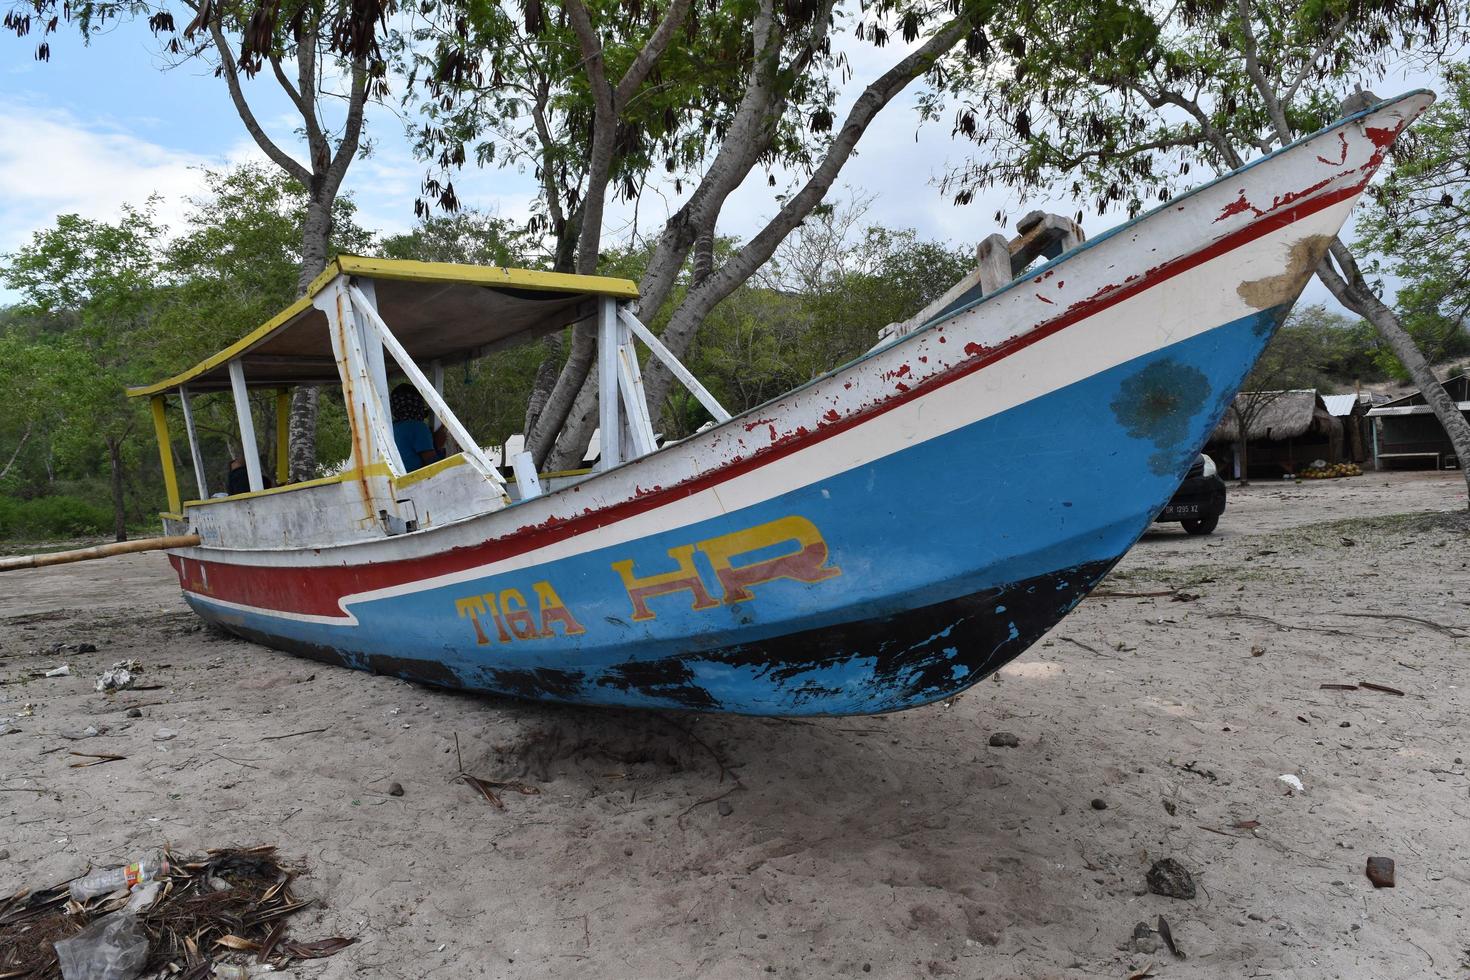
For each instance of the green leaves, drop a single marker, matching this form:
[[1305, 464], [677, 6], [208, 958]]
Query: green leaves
[[1419, 222], [1120, 99]]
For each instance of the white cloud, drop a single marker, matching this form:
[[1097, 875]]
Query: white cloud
[[54, 163]]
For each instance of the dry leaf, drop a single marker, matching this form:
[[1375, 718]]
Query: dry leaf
[[237, 942], [318, 949]]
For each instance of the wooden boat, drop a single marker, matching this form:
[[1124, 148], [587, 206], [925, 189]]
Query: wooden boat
[[882, 537]]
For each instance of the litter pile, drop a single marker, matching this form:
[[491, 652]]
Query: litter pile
[[228, 906]]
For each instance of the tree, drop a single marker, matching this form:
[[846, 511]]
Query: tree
[[467, 236], [1124, 97], [237, 260], [749, 139], [1418, 222], [304, 46], [100, 285]]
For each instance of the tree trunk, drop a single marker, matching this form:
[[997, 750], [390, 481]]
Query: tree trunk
[[119, 505], [1351, 289], [704, 255], [1242, 456], [316, 232], [545, 380], [700, 300], [301, 462], [576, 432]]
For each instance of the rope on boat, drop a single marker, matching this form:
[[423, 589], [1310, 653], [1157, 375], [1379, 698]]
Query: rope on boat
[[99, 551]]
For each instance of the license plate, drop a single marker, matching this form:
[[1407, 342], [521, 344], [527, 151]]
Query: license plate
[[1181, 510]]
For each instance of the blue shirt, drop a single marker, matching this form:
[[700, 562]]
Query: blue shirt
[[414, 439]]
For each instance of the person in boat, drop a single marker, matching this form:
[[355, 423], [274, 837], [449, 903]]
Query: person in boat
[[237, 480], [416, 444]]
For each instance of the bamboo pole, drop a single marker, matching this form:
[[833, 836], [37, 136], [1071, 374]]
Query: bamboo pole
[[99, 551]]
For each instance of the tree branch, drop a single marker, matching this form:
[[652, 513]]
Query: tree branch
[[351, 133], [13, 456], [280, 157], [652, 50], [727, 278], [1258, 76]]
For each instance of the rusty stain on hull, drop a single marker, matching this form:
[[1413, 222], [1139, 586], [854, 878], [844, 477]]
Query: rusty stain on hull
[[1306, 254]]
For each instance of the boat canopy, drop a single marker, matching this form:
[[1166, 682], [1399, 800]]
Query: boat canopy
[[364, 320], [440, 312]]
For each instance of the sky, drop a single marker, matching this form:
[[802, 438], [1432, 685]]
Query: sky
[[111, 124]]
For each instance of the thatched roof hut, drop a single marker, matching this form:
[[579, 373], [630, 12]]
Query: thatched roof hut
[[1276, 416]]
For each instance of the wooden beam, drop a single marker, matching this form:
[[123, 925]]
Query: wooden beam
[[100, 551], [247, 427], [185, 397], [678, 370], [609, 418], [166, 454], [467, 443]]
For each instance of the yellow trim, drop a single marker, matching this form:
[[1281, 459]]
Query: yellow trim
[[283, 437], [408, 271], [476, 275], [433, 469], [564, 473], [165, 452], [165, 515], [373, 469]]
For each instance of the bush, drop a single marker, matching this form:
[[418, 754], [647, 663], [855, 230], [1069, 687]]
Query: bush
[[52, 517]]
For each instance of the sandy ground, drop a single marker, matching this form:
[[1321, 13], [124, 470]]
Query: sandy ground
[[898, 846]]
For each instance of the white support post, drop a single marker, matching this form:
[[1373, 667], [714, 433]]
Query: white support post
[[377, 369], [467, 443], [357, 316], [371, 437], [436, 374], [524, 465], [379, 405], [635, 403], [247, 425], [675, 368], [194, 453], [609, 418]]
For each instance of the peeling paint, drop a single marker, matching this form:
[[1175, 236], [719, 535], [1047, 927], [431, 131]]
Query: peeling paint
[[1303, 259]]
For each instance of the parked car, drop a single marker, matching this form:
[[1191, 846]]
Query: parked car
[[1199, 501]]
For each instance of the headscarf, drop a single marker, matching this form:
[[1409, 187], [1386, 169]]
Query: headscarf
[[407, 404]]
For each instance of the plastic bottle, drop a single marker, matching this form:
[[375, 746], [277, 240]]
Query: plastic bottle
[[106, 882]]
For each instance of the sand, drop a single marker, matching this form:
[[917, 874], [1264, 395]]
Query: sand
[[677, 845]]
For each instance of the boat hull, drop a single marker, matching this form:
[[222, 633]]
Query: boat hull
[[917, 535]]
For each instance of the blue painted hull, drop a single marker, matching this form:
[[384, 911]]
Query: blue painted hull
[[1007, 523]]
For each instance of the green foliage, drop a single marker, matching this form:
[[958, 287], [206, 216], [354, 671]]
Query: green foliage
[[1418, 222], [502, 84], [108, 304], [1116, 103], [45, 518], [469, 236], [1317, 348]]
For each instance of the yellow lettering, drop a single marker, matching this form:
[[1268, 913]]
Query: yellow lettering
[[807, 563], [517, 616], [473, 608], [682, 579], [553, 610]]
